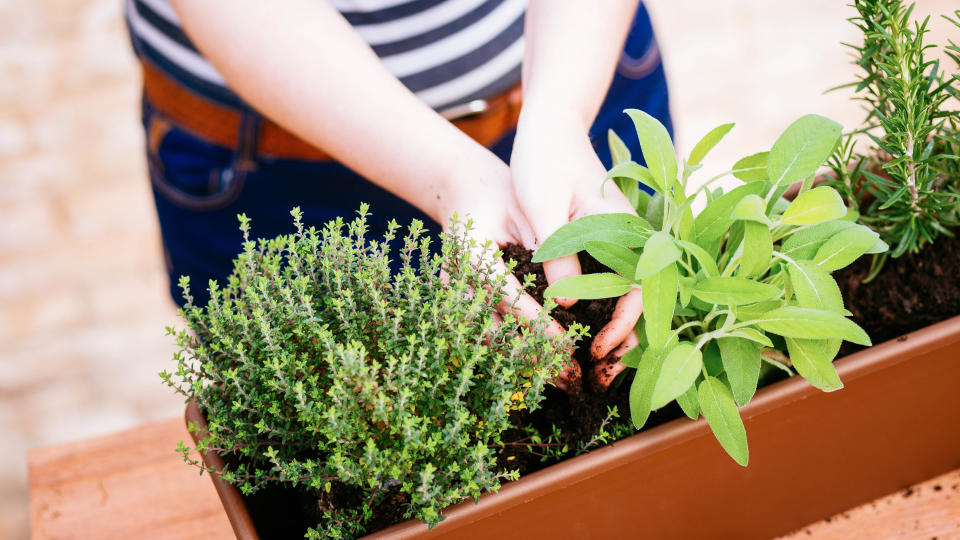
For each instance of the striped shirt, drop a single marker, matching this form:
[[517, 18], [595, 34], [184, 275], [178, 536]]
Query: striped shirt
[[448, 52]]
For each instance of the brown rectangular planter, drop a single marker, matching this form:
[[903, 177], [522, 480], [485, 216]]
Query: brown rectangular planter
[[812, 455]]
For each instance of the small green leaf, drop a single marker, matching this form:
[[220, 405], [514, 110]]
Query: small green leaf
[[686, 289], [688, 402], [752, 168], [712, 223], [751, 208], [808, 323], [589, 287], [845, 247], [721, 290], [802, 149], [632, 358], [633, 171], [804, 243], [748, 332], [641, 389], [815, 206], [654, 212], [659, 251], [659, 300], [741, 362], [627, 230], [680, 369], [707, 264], [707, 143], [814, 287], [809, 357], [657, 148], [757, 249], [614, 256], [720, 410], [619, 153]]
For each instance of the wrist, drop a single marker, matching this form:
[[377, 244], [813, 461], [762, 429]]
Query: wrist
[[470, 177]]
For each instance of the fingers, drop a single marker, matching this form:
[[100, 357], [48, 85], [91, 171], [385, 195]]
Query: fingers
[[562, 268], [621, 325], [606, 370], [570, 377], [516, 301]]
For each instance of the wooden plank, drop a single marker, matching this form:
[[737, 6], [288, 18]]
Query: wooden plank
[[929, 510], [126, 485]]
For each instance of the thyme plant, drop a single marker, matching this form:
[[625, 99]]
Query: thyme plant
[[317, 367], [746, 278], [906, 185]]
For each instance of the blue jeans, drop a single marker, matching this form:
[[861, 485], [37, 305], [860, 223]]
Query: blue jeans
[[199, 187]]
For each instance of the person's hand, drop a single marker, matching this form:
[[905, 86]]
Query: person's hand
[[483, 192], [556, 176]]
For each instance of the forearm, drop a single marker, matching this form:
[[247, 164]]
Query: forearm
[[572, 50], [302, 65]]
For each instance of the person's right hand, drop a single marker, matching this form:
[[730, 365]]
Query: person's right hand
[[483, 191]]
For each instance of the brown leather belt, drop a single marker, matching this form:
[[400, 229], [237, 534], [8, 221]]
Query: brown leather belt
[[220, 125]]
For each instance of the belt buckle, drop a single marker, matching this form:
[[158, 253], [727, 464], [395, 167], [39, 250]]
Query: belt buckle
[[465, 110]]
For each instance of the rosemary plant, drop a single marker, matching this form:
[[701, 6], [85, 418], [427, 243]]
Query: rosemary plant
[[906, 186], [317, 367]]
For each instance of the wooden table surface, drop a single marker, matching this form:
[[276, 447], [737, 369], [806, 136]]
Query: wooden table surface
[[133, 485]]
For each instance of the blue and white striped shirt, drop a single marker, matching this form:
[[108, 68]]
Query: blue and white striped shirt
[[448, 52]]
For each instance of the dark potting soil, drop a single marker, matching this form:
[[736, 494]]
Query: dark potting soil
[[911, 292], [581, 412]]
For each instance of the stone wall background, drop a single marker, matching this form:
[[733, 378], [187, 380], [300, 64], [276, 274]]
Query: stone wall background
[[83, 299]]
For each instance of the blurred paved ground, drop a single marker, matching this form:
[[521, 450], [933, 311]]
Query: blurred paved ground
[[82, 296]]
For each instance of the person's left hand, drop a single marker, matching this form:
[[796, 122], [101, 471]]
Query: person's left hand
[[556, 176]]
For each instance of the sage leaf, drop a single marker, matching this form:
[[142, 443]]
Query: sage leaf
[[741, 362], [688, 402], [659, 300], [633, 171], [654, 213], [633, 356], [707, 264], [712, 223], [589, 287], [707, 143], [802, 149], [614, 256], [808, 323], [619, 153], [752, 168], [722, 290], [845, 247], [658, 252], [809, 357], [804, 243], [720, 410], [680, 368], [641, 389], [815, 206], [627, 230], [879, 246], [751, 208], [757, 249], [748, 332], [686, 284], [814, 287], [657, 148]]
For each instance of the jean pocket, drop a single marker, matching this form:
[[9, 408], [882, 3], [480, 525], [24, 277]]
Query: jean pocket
[[189, 171]]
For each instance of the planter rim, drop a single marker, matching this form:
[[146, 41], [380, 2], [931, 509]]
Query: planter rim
[[659, 439]]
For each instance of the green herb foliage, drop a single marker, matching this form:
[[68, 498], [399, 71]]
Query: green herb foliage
[[906, 186], [315, 366], [720, 286]]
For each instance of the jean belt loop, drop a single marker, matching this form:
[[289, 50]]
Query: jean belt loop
[[249, 141]]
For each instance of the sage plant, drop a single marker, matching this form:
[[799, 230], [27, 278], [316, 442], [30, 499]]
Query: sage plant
[[725, 289]]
